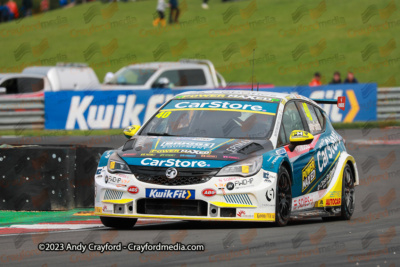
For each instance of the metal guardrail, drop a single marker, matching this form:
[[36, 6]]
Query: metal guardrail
[[388, 106], [21, 113]]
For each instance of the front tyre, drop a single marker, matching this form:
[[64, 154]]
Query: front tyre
[[119, 223], [283, 205]]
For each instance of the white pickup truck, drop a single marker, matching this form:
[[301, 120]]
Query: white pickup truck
[[186, 73]]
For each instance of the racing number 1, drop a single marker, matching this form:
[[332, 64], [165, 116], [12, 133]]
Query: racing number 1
[[163, 114]]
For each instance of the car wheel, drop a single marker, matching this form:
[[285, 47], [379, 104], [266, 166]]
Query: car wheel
[[348, 196], [283, 205], [119, 223]]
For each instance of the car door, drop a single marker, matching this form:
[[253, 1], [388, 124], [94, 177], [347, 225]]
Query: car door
[[302, 156], [323, 154]]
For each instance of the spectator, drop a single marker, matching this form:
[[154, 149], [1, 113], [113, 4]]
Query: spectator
[[350, 78], [44, 5], [316, 81], [5, 14], [205, 4], [336, 78], [12, 6], [27, 7], [161, 6], [174, 12]]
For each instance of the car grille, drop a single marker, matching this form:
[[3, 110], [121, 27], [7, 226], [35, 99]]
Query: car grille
[[186, 176], [172, 207]]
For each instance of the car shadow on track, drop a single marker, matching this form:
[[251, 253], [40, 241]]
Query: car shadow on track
[[203, 225]]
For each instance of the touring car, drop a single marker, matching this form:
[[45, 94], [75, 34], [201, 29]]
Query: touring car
[[229, 156]]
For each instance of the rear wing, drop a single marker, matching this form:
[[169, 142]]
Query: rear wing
[[341, 102]]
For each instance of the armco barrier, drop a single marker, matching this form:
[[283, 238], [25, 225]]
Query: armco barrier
[[120, 108], [47, 177], [23, 113], [388, 104]]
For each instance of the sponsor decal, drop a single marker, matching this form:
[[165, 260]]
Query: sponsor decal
[[209, 156], [328, 152], [230, 186], [302, 202], [133, 189], [173, 163], [270, 194], [225, 105], [239, 145], [147, 155], [170, 193], [230, 157], [269, 177], [244, 182], [242, 214], [308, 174], [187, 145], [99, 171], [265, 216], [334, 194], [227, 179], [209, 192], [107, 209], [280, 151], [116, 180], [129, 154], [98, 209], [333, 201]]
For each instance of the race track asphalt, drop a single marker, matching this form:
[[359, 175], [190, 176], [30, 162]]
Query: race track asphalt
[[370, 238]]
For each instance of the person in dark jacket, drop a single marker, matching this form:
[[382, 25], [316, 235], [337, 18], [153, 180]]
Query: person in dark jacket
[[27, 7], [336, 78], [350, 78], [174, 11]]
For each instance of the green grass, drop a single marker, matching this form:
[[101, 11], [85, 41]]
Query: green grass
[[32, 217], [267, 26]]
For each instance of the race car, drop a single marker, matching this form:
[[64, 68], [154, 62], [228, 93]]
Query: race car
[[229, 156]]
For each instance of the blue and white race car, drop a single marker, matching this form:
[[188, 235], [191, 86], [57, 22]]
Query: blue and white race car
[[229, 156]]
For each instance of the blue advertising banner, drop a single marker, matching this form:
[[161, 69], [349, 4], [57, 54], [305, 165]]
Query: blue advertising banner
[[120, 108]]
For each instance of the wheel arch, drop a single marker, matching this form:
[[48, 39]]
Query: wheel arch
[[286, 164]]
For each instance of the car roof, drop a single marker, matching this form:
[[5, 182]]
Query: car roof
[[159, 65]]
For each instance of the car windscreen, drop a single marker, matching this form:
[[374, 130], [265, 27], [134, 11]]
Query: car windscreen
[[132, 76], [214, 118]]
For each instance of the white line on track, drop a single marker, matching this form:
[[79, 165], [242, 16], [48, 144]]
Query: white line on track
[[56, 226]]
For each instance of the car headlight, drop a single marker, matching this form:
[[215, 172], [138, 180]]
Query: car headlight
[[116, 164], [246, 167]]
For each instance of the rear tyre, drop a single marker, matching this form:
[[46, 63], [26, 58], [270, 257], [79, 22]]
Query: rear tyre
[[348, 196], [283, 205], [119, 223]]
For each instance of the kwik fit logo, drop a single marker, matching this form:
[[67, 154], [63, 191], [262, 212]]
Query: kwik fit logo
[[170, 193], [89, 113]]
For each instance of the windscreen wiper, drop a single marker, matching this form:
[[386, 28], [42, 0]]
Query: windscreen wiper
[[161, 134]]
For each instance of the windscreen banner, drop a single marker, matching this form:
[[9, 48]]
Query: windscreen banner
[[115, 109]]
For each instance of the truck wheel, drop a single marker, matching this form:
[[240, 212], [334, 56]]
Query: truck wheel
[[119, 223], [283, 205]]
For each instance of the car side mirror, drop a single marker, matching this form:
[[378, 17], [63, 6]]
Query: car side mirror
[[131, 130], [299, 137], [162, 83], [3, 90]]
